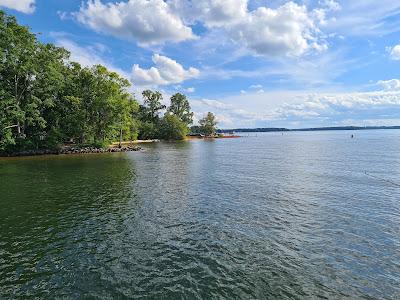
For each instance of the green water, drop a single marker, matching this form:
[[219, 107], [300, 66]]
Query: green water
[[271, 216]]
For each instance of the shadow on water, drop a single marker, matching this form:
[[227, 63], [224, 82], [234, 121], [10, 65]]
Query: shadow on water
[[55, 217]]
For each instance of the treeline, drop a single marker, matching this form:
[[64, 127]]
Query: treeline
[[337, 128], [46, 99]]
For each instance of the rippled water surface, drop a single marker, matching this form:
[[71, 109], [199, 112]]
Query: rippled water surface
[[295, 216]]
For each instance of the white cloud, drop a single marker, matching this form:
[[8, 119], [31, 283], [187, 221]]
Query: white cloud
[[25, 6], [305, 109], [337, 107], [289, 30], [166, 71], [258, 88], [390, 85], [210, 12], [83, 55], [147, 22], [331, 5], [183, 89], [395, 52], [227, 115]]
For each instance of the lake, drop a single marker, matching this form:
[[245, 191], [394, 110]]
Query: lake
[[295, 216]]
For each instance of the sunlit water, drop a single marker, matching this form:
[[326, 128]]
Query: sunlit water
[[291, 216]]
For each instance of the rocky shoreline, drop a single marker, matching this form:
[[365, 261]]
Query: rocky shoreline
[[71, 150]]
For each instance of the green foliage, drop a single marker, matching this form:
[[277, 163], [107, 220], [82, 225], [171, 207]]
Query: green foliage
[[208, 124], [150, 111], [148, 131], [180, 107], [195, 129], [46, 100], [173, 128]]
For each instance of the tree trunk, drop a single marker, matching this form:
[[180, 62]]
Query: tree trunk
[[120, 138]]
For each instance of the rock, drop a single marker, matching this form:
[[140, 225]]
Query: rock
[[72, 150]]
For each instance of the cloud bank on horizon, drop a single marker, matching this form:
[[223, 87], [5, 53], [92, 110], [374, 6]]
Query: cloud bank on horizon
[[253, 62]]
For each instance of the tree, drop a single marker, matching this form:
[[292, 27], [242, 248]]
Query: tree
[[151, 105], [173, 128], [45, 99], [148, 131], [180, 107], [195, 129], [17, 76], [208, 124]]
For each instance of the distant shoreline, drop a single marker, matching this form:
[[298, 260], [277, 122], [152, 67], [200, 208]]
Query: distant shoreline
[[306, 129], [189, 138]]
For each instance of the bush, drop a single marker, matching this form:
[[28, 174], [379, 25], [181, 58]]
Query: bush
[[172, 128], [148, 131]]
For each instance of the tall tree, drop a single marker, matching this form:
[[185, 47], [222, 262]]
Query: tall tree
[[180, 107], [208, 124], [18, 69], [152, 105]]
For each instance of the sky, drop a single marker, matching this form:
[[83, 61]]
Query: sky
[[254, 63]]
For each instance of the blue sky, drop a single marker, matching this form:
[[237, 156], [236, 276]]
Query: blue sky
[[254, 63]]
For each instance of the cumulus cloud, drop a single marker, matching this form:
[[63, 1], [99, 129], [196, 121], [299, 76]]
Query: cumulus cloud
[[395, 52], [210, 12], [147, 22], [288, 30], [166, 71], [25, 6], [390, 85]]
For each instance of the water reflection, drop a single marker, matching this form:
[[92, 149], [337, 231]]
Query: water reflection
[[54, 212], [271, 216]]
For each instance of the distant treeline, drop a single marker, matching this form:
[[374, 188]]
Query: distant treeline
[[306, 129], [47, 100]]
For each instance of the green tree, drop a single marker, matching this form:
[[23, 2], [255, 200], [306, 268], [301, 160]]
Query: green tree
[[46, 99], [195, 129], [18, 70], [151, 105], [180, 107], [208, 124], [173, 128], [148, 131]]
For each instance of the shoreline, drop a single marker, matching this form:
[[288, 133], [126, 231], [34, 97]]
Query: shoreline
[[127, 146], [71, 151], [188, 138], [131, 143]]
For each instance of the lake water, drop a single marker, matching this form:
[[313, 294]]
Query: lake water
[[290, 216]]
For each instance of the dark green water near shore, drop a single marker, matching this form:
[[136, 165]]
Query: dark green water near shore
[[272, 216]]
